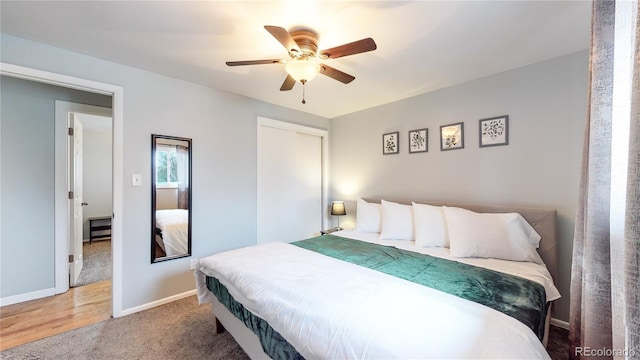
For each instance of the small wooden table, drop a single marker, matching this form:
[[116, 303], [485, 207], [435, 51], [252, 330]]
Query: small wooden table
[[99, 228]]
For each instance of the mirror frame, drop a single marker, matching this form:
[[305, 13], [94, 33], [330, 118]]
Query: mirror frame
[[154, 138]]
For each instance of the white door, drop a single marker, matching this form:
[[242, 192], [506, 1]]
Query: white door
[[75, 177], [307, 188], [289, 185]]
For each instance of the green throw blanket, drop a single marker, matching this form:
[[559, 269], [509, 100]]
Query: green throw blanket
[[517, 297]]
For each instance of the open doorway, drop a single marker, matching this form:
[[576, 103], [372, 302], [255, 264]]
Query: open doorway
[[89, 180], [96, 205], [58, 220], [37, 191]]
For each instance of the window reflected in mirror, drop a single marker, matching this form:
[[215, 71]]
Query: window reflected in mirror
[[170, 198]]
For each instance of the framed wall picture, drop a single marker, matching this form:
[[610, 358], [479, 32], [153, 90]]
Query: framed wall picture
[[418, 141], [452, 136], [390, 143], [494, 131]]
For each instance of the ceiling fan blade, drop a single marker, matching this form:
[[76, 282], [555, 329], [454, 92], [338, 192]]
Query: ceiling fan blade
[[352, 48], [253, 62], [288, 83], [336, 74], [283, 36]]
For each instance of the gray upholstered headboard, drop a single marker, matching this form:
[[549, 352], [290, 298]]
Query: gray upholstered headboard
[[543, 220]]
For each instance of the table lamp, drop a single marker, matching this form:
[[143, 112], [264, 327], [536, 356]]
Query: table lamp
[[337, 209]]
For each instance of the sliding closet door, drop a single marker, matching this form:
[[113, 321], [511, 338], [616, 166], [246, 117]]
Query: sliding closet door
[[289, 185]]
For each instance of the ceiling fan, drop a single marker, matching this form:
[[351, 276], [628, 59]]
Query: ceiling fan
[[304, 65]]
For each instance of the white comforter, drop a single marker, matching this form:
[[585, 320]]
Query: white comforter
[[175, 230], [331, 309]]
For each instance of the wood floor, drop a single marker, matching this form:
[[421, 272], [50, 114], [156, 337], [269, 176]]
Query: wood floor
[[33, 320]]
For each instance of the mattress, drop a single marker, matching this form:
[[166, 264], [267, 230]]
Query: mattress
[[174, 230], [328, 308]]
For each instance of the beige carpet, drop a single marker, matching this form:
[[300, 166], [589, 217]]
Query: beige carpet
[[558, 346], [96, 265], [179, 330]]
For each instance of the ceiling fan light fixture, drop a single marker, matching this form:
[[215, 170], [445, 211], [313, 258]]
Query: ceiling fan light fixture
[[302, 70]]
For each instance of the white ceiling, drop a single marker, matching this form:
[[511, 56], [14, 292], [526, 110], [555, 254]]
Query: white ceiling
[[422, 45]]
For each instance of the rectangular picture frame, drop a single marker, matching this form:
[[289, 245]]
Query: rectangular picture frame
[[452, 136], [418, 141], [494, 131], [390, 143]]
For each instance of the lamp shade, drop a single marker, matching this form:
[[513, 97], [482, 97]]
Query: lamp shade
[[337, 208], [302, 70]]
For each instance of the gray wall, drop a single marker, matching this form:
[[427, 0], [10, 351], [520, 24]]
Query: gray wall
[[223, 128], [546, 104], [27, 192]]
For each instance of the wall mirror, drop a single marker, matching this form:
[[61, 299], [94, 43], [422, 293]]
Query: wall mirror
[[170, 197]]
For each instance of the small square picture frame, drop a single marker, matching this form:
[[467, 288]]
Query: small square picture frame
[[494, 131], [390, 143], [418, 141], [452, 136]]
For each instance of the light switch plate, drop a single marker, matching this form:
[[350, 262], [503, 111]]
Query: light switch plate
[[136, 180]]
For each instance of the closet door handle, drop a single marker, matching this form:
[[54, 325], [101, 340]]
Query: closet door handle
[[84, 203]]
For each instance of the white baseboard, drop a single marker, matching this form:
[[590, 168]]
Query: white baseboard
[[560, 323], [159, 302], [14, 299]]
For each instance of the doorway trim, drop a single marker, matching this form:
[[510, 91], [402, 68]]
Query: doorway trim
[[324, 136], [116, 93]]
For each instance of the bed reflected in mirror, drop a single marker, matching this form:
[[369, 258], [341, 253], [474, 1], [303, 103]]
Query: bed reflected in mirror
[[170, 197]]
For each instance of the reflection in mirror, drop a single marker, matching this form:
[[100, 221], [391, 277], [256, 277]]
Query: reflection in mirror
[[170, 197]]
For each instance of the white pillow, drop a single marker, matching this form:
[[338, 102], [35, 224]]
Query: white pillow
[[368, 217], [397, 221], [430, 225], [505, 236]]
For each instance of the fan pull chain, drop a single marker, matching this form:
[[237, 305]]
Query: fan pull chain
[[303, 88]]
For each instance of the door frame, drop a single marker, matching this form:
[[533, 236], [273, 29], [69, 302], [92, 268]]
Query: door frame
[[324, 138], [61, 221]]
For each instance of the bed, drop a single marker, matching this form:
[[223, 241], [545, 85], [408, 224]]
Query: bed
[[333, 296], [172, 229]]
